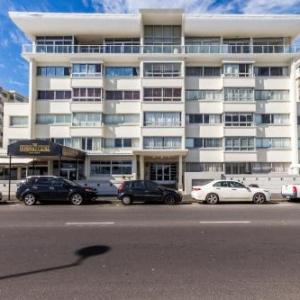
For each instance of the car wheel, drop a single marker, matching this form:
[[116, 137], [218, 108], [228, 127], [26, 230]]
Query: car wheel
[[29, 199], [126, 200], [170, 199], [76, 199], [212, 198], [259, 198]]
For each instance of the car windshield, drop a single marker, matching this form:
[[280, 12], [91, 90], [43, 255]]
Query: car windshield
[[71, 182]]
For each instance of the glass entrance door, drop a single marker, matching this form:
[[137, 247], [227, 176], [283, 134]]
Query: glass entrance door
[[163, 173]]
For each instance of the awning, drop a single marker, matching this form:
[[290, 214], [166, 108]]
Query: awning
[[15, 161]]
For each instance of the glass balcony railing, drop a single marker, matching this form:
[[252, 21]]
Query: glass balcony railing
[[174, 49]]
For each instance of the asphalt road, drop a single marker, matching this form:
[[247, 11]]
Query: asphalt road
[[229, 251]]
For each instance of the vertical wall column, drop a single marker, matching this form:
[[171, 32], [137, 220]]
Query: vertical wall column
[[180, 173], [142, 167], [294, 127], [32, 98], [87, 167], [134, 168], [50, 167]]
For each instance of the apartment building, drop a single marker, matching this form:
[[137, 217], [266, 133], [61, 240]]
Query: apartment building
[[161, 94]]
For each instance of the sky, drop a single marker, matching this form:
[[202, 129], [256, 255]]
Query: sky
[[14, 69]]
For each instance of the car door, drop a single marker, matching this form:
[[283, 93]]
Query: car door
[[42, 188], [60, 189], [221, 189], [238, 191], [138, 190], [152, 192]]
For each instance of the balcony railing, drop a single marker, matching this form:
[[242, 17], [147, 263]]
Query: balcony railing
[[175, 49]]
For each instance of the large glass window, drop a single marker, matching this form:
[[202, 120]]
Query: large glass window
[[162, 94], [203, 71], [203, 142], [121, 119], [205, 95], [236, 45], [203, 167], [117, 45], [86, 70], [18, 121], [54, 44], [272, 95], [118, 143], [268, 45], [53, 119], [121, 71], [238, 70], [87, 94], [53, 95], [159, 142], [277, 119], [271, 71], [239, 143], [238, 94], [162, 69], [122, 95], [86, 143], [202, 44], [238, 119], [86, 119], [111, 167], [204, 118], [162, 119], [53, 71], [274, 143]]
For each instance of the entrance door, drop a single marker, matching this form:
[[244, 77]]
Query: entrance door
[[163, 173], [68, 173]]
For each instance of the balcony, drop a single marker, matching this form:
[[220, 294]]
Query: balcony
[[165, 49]]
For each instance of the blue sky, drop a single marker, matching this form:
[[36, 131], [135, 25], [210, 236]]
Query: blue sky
[[14, 69]]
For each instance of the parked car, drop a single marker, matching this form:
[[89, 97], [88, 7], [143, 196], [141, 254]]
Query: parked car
[[290, 191], [147, 191], [228, 190], [1, 197], [47, 188]]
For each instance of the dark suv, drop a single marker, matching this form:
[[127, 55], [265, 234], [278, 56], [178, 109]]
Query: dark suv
[[45, 188], [147, 191]]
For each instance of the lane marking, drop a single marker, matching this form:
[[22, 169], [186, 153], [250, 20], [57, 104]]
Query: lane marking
[[225, 222], [88, 223]]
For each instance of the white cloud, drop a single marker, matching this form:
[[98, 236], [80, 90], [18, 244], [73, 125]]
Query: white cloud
[[116, 6], [17, 37], [18, 83], [269, 6]]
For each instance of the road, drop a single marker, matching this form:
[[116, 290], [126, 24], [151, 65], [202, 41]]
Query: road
[[228, 251]]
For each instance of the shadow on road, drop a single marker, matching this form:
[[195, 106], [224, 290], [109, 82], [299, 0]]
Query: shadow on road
[[82, 254]]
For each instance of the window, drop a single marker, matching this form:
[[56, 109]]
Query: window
[[54, 44], [87, 94], [277, 119], [203, 142], [238, 119], [86, 119], [122, 95], [63, 141], [87, 143], [238, 94], [111, 168], [203, 71], [204, 167], [86, 70], [223, 184], [204, 95], [162, 69], [116, 45], [162, 119], [53, 71], [204, 118], [53, 119], [53, 95], [118, 143], [162, 142], [121, 71], [162, 94], [238, 70], [238, 168], [274, 143], [271, 71], [18, 121], [234, 184], [268, 45], [239, 143], [121, 119], [202, 44], [272, 95]]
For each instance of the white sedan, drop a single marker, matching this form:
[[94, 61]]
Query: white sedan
[[228, 190]]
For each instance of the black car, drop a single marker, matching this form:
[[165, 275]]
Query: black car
[[45, 188], [147, 191]]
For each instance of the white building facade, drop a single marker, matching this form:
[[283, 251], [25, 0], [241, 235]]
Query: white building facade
[[162, 95]]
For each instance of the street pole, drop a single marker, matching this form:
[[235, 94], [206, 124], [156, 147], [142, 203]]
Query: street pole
[[9, 178]]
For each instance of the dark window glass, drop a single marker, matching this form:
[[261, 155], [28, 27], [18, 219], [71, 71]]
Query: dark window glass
[[139, 185], [221, 184]]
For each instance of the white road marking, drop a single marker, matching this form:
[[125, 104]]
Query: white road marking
[[225, 222], [88, 223]]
